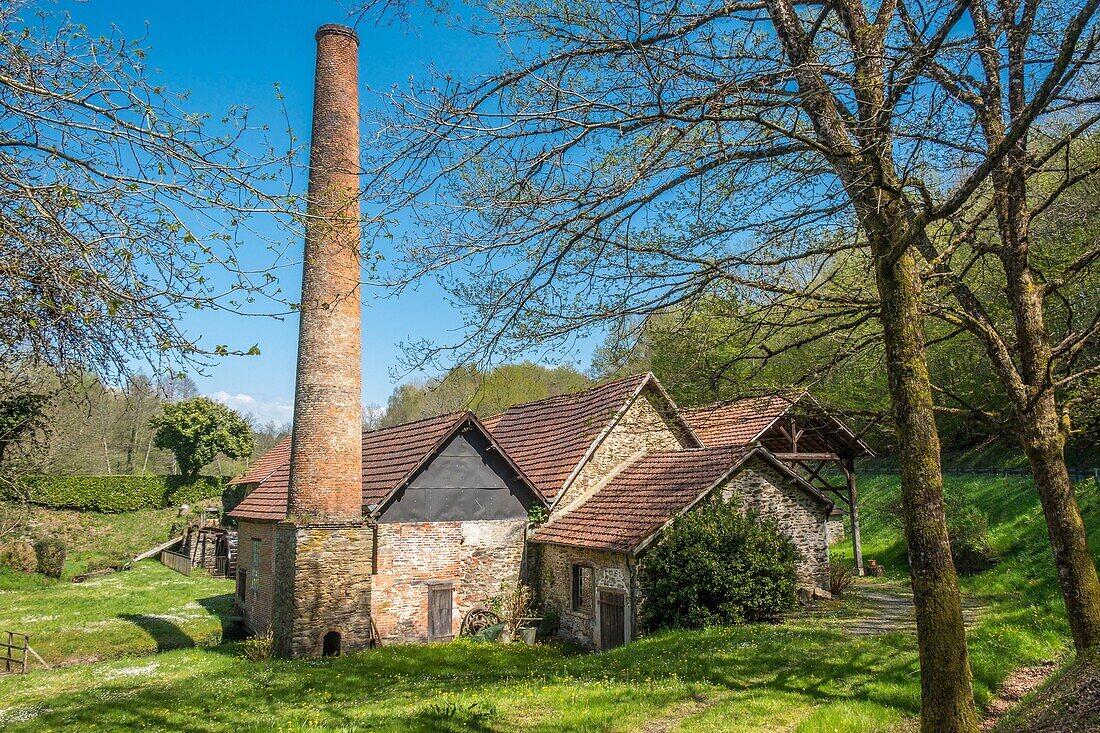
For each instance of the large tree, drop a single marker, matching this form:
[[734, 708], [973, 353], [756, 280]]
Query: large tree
[[120, 206], [626, 158]]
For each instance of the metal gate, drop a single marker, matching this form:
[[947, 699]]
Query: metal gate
[[612, 619], [440, 603]]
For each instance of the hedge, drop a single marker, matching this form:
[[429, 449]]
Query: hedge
[[113, 494]]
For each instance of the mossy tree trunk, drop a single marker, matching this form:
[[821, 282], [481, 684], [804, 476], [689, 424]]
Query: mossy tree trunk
[[1042, 432], [947, 694]]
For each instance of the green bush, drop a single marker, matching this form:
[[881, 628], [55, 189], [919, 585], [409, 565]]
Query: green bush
[[50, 553], [968, 530], [258, 648], [715, 566], [19, 556], [114, 494], [842, 572]]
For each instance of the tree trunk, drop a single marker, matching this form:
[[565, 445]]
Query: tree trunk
[[947, 695], [1043, 440], [1036, 408]]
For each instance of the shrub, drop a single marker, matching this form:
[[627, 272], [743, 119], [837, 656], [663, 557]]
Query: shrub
[[841, 574], [968, 530], [716, 566], [258, 648], [19, 556], [551, 621], [50, 553], [514, 605], [114, 494]]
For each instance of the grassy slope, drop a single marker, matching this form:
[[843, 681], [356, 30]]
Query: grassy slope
[[807, 675], [1024, 619], [97, 540], [144, 610]]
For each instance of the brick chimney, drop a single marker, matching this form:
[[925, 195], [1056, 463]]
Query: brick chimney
[[322, 554], [325, 454]]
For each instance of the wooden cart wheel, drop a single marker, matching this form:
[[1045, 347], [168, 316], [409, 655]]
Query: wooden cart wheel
[[478, 620]]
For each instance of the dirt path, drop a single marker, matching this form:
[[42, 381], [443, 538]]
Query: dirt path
[[888, 609], [1015, 688], [674, 717]]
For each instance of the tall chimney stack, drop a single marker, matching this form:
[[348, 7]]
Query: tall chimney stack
[[326, 449]]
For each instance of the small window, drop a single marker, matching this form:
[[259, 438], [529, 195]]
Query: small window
[[582, 588], [254, 570]]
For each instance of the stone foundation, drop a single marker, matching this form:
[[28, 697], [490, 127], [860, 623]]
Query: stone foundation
[[322, 584]]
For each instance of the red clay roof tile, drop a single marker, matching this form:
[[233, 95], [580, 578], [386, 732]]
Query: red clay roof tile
[[641, 498], [549, 437]]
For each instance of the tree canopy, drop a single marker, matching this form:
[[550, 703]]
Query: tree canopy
[[198, 429]]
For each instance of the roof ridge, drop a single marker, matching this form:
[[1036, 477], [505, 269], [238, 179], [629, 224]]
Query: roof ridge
[[440, 416], [578, 393]]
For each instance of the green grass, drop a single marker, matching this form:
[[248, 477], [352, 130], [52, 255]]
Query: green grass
[[806, 675], [141, 611], [97, 540]]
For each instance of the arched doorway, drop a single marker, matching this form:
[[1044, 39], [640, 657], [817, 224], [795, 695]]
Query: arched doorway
[[330, 645]]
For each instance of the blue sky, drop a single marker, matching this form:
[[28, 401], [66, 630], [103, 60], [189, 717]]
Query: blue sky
[[228, 53]]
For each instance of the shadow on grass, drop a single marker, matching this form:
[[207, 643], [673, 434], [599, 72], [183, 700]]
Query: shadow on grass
[[165, 633], [222, 607], [485, 687]]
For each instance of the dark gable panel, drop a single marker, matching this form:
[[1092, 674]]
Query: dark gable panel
[[466, 480]]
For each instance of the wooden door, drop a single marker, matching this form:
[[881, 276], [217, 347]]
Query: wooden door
[[612, 619], [440, 603]]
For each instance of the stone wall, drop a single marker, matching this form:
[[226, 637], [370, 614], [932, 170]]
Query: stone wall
[[473, 557], [258, 597], [760, 487], [322, 585], [641, 428], [834, 530], [610, 571]]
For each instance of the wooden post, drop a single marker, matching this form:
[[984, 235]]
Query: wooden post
[[853, 513], [26, 641]]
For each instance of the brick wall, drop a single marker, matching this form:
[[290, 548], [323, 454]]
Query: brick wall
[[610, 571], [642, 427], [834, 530], [472, 556], [325, 453], [759, 486], [257, 600], [322, 584]]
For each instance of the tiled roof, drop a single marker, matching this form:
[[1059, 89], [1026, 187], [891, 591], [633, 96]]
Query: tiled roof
[[549, 437], [389, 456], [739, 422], [641, 498], [266, 464], [747, 420]]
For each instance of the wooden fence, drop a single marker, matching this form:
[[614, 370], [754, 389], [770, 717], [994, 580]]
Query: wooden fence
[[176, 561], [15, 653], [1075, 474]]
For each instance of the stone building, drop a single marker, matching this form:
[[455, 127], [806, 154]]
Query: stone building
[[444, 524], [348, 538], [445, 505]]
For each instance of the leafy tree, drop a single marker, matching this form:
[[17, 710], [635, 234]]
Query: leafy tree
[[198, 429], [483, 392], [716, 566], [121, 207]]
